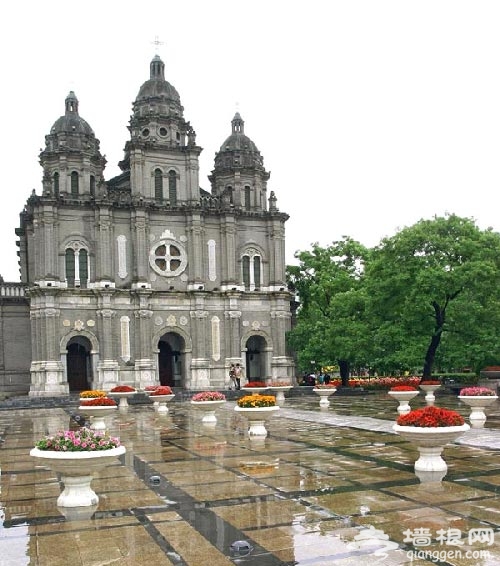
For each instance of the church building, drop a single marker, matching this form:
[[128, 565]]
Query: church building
[[146, 278]]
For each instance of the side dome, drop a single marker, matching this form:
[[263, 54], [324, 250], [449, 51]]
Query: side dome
[[71, 122], [238, 150]]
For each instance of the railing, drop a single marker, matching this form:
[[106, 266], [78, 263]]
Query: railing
[[14, 290]]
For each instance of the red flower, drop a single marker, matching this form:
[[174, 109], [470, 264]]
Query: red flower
[[122, 389], [162, 390], [403, 388], [431, 417], [255, 384], [430, 382]]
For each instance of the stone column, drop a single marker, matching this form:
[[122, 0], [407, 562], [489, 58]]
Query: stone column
[[140, 246]]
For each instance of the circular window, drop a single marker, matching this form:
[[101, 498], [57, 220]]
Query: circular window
[[168, 258], [145, 132], [163, 132]]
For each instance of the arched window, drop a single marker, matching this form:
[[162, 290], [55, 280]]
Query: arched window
[[251, 270], [74, 184], [55, 184], [77, 265], [92, 186], [172, 187], [246, 272], [247, 198], [158, 185]]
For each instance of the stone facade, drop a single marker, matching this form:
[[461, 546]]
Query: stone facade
[[146, 278]]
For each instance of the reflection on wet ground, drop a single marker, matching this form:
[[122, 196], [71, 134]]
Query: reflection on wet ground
[[327, 486]]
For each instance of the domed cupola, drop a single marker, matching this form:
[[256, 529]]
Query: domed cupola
[[239, 172], [238, 150], [71, 160]]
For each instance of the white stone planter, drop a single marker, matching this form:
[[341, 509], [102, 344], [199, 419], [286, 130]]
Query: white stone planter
[[257, 417], [123, 397], [208, 408], [477, 403], [280, 393], [430, 398], [324, 394], [430, 443], [97, 414], [403, 398], [162, 401], [77, 470]]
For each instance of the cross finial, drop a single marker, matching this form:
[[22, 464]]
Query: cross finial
[[157, 43]]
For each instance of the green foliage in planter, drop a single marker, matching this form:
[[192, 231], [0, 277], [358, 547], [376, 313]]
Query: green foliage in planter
[[457, 378]]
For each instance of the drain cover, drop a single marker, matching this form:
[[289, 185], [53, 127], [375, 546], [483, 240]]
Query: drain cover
[[241, 548]]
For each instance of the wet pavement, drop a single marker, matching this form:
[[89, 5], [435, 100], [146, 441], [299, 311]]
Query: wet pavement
[[327, 486]]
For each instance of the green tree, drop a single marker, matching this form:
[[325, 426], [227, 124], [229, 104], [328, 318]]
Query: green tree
[[331, 328], [433, 291]]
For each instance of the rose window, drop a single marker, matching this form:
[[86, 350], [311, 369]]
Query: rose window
[[168, 258]]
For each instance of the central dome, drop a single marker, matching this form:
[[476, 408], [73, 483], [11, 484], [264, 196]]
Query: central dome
[[157, 86]]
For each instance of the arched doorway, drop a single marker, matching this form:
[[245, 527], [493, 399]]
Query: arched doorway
[[170, 357], [78, 365], [256, 359]]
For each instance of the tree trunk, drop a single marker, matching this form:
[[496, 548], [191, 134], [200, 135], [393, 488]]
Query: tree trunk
[[430, 355], [344, 372]]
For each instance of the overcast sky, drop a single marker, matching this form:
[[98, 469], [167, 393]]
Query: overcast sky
[[370, 115]]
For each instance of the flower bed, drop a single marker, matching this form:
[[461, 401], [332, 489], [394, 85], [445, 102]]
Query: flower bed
[[279, 384], [151, 387], [430, 382], [83, 440], [476, 392], [325, 386], [208, 396], [161, 390], [98, 402], [431, 417], [254, 401], [255, 384], [123, 389], [92, 394], [403, 388]]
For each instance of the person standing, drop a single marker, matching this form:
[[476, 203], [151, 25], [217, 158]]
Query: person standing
[[238, 373], [232, 377]]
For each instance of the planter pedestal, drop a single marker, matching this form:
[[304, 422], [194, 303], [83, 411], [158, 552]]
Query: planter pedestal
[[324, 394], [208, 408], [257, 417], [123, 397], [77, 470], [430, 443], [280, 393], [97, 414], [162, 401], [403, 397], [429, 393], [477, 403]]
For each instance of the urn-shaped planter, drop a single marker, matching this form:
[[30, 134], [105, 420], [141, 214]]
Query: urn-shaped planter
[[257, 417], [162, 401], [77, 470], [478, 403], [429, 389], [123, 397], [208, 409], [324, 394], [96, 414], [403, 398], [279, 391], [430, 442]]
